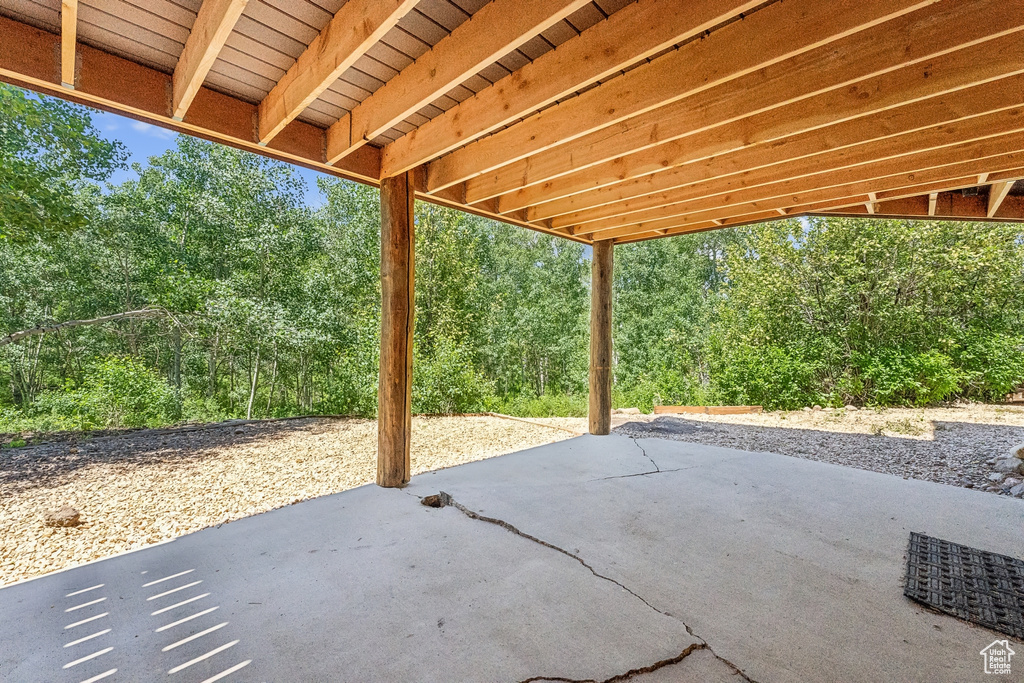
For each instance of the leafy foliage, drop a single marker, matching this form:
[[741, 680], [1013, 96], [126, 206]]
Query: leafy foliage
[[274, 307]]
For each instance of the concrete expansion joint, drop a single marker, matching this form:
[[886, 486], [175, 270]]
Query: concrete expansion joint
[[442, 499]]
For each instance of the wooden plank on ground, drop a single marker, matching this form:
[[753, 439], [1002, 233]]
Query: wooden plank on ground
[[707, 410]]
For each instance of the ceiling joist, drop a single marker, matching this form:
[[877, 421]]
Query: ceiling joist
[[357, 27], [898, 101], [214, 23], [946, 134], [771, 35], [68, 41], [497, 29], [636, 32], [907, 47]]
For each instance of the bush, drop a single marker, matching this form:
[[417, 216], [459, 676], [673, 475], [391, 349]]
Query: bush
[[117, 392], [993, 364], [899, 378], [447, 382], [548, 405], [769, 376]]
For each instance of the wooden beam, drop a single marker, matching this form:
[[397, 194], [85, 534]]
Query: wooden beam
[[497, 29], [29, 59], [803, 30], [932, 199], [754, 110], [214, 23], [854, 192], [600, 408], [68, 41], [357, 26], [870, 205], [741, 146], [803, 176], [913, 142], [915, 188], [996, 194], [951, 206], [397, 275], [634, 33]]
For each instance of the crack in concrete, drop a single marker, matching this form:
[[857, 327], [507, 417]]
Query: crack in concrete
[[629, 674], [644, 451], [442, 499], [644, 474]]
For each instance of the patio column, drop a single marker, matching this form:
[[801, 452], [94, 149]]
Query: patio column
[[601, 338], [394, 398]]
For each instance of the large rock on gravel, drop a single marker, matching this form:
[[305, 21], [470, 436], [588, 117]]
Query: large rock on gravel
[[1017, 451], [66, 516], [1008, 464], [1017, 490], [661, 425], [627, 411]]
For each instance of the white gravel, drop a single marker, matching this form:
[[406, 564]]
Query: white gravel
[[141, 488]]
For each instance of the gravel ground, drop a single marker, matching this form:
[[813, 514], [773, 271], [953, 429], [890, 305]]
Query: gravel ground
[[952, 445], [144, 487], [139, 488]]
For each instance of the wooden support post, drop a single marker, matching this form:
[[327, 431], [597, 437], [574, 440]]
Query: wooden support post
[[394, 399], [601, 338]]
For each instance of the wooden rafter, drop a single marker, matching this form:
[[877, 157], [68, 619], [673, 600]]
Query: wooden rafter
[[864, 62], [357, 26], [854, 192], [498, 28], [996, 195], [68, 41], [111, 83], [970, 139], [912, 142], [957, 85], [792, 32], [634, 33], [933, 198], [214, 23]]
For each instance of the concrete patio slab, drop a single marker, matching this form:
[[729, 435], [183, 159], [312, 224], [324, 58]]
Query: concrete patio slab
[[590, 559]]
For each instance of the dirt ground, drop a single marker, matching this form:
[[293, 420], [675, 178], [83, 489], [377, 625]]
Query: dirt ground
[[139, 488]]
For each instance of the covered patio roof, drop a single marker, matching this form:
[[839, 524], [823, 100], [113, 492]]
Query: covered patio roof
[[590, 119]]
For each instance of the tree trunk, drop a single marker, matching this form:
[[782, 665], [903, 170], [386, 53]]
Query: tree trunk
[[255, 381], [273, 383]]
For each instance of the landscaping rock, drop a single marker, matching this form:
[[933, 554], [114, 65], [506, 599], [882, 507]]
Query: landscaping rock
[[996, 476], [627, 411], [852, 407], [66, 516], [1017, 490], [1008, 464], [1017, 451]]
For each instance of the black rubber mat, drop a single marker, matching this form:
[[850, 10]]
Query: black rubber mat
[[978, 586]]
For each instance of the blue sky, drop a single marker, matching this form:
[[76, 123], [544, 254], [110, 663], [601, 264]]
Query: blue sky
[[144, 141]]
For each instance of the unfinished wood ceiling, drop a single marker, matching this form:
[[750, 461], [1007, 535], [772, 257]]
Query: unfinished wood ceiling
[[590, 119]]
